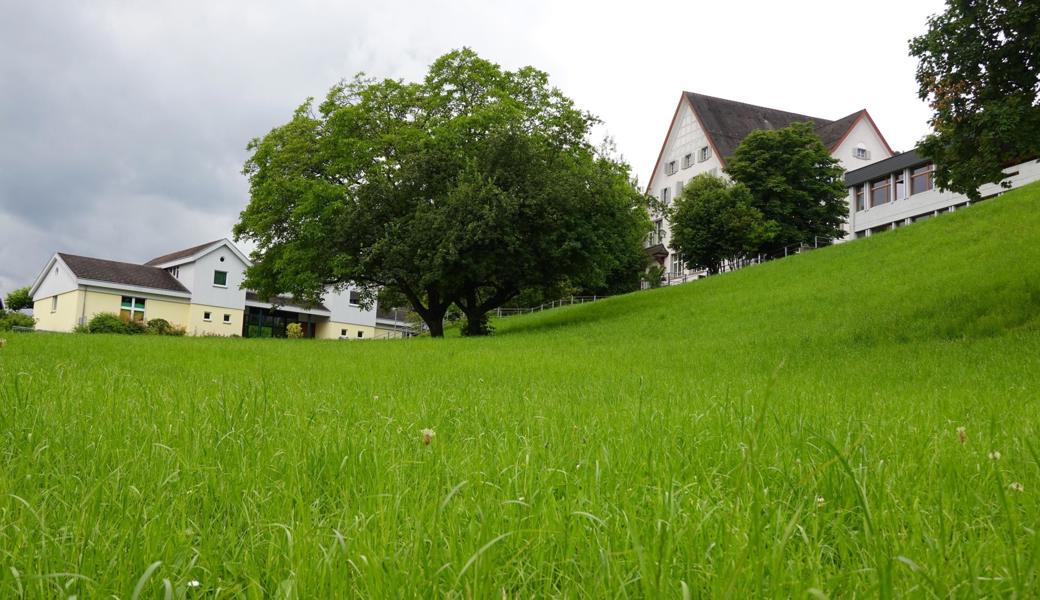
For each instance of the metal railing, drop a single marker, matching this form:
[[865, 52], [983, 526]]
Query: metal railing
[[741, 262], [508, 312]]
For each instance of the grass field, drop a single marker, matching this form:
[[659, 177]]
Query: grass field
[[790, 429]]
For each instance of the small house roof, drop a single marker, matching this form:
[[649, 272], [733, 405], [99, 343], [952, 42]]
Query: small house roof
[[111, 271]]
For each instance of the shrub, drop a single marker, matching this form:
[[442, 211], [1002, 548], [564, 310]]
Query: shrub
[[112, 323], [9, 320], [164, 327], [294, 331]]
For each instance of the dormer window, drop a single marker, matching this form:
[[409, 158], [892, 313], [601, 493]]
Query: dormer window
[[861, 152], [175, 271]]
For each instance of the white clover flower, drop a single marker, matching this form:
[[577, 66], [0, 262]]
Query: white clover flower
[[1017, 487], [995, 455], [194, 583], [820, 501], [427, 436]]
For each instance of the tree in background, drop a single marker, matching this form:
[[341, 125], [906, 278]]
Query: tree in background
[[795, 182], [18, 299], [979, 70], [714, 220], [466, 188]]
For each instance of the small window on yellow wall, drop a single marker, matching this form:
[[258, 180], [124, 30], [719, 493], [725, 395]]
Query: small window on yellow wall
[[361, 334], [227, 318], [207, 316], [54, 303]]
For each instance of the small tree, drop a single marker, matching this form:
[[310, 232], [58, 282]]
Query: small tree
[[713, 221], [980, 71], [795, 182], [19, 299], [294, 331]]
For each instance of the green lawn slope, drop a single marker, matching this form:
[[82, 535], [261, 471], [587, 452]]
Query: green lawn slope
[[823, 425]]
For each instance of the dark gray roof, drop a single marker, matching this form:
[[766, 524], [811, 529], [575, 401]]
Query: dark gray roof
[[728, 122], [112, 271], [287, 301], [881, 168], [187, 252], [656, 250]]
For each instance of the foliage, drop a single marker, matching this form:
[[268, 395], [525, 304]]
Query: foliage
[[785, 427], [979, 69], [653, 275], [113, 323], [11, 319], [164, 327], [294, 331], [468, 188], [794, 182], [714, 220], [18, 299]]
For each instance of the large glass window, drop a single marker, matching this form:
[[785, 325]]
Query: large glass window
[[860, 198], [132, 309], [921, 179], [879, 192]]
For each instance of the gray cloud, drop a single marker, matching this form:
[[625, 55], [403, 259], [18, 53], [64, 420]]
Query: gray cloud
[[124, 125]]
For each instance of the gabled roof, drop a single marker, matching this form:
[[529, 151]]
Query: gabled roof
[[96, 269], [728, 122], [186, 253]]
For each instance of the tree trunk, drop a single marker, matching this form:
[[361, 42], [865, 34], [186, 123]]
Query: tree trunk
[[436, 327], [476, 323]]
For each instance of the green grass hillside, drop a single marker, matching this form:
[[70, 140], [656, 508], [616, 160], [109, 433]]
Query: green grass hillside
[[790, 429]]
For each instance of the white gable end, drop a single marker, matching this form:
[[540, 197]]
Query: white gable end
[[865, 137], [57, 280]]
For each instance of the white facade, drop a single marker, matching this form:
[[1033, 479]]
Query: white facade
[[862, 145], [888, 199]]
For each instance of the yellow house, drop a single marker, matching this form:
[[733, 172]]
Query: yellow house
[[198, 288]]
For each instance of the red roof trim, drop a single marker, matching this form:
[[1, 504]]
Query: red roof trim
[[862, 113], [650, 182]]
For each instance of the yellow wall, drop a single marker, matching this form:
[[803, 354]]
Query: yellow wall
[[100, 302], [331, 330], [174, 312], [62, 319], [216, 324]]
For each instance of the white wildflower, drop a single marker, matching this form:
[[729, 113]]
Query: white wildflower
[[995, 455], [427, 436]]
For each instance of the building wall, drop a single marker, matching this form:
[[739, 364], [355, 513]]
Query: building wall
[[903, 210], [64, 318], [333, 330], [204, 292], [338, 303], [863, 133], [58, 280], [174, 312], [197, 325]]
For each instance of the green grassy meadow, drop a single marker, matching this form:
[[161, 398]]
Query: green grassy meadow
[[788, 430]]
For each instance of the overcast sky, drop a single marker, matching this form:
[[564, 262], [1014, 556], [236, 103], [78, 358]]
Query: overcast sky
[[123, 125]]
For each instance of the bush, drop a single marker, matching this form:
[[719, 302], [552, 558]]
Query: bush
[[164, 327], [112, 323], [294, 331], [9, 320]]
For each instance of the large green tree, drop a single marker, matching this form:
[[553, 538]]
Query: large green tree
[[714, 220], [795, 182], [468, 188], [18, 299], [979, 70]]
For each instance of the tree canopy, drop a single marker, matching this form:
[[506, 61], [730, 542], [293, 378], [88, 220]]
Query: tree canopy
[[714, 220], [468, 188], [979, 69], [18, 299], [794, 182]]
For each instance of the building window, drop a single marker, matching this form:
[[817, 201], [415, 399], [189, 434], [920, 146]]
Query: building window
[[705, 154], [859, 198], [207, 316], [687, 160], [175, 271], [898, 185], [861, 152], [879, 191], [354, 298], [227, 318], [343, 333], [666, 195], [670, 168], [657, 234], [220, 278], [132, 309], [678, 189], [677, 264], [361, 334], [54, 304], [921, 179]]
